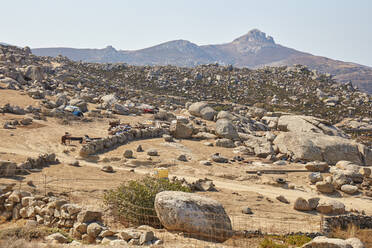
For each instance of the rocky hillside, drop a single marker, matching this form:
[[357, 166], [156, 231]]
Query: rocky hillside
[[244, 141], [253, 50]]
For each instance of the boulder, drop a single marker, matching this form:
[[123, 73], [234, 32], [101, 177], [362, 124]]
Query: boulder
[[227, 143], [195, 108], [94, 229], [309, 146], [81, 104], [208, 113], [108, 100], [57, 237], [226, 129], [302, 123], [181, 130], [152, 152], [349, 189], [225, 115], [193, 214], [301, 204], [120, 109], [219, 159], [324, 242], [330, 207], [315, 177], [26, 121], [128, 154], [88, 216], [107, 168], [317, 166], [325, 187], [34, 73]]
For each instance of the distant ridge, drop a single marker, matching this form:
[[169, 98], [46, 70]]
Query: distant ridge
[[254, 49]]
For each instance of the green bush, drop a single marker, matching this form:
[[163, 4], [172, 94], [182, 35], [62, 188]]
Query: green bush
[[133, 202], [297, 240], [269, 243]]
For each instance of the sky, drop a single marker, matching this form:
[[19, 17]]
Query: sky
[[338, 29]]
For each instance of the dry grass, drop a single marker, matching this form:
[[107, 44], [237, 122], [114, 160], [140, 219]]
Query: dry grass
[[22, 243], [22, 237], [352, 231]]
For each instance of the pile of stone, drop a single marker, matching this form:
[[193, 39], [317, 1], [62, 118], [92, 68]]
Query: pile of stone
[[345, 176], [97, 146], [202, 185], [7, 108], [9, 169], [14, 123], [84, 225]]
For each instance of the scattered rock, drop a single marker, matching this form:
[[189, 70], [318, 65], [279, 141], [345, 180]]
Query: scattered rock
[[128, 154], [152, 152], [107, 168]]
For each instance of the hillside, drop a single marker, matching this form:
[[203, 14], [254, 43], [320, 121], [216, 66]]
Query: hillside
[[254, 49]]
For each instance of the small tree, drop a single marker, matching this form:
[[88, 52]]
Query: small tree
[[134, 202]]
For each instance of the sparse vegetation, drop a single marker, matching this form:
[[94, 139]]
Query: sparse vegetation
[[29, 234], [352, 231], [269, 243], [133, 203], [284, 241]]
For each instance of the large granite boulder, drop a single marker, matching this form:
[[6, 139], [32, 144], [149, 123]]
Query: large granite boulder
[[34, 73], [310, 146], [226, 129], [196, 108], [208, 113], [302, 123], [193, 214], [180, 130]]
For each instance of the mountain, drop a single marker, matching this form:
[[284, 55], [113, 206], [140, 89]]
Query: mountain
[[254, 49]]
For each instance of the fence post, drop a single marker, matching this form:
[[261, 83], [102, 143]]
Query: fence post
[[45, 185]]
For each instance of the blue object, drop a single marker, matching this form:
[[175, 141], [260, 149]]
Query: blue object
[[77, 112]]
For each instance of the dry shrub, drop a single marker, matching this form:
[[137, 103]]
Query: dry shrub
[[353, 231], [27, 234], [133, 203], [22, 243]]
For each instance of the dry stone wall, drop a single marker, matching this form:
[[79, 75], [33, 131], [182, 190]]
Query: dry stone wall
[[82, 224], [109, 142]]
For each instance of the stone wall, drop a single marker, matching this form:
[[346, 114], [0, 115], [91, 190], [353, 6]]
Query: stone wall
[[82, 224], [97, 146], [342, 221], [10, 169]]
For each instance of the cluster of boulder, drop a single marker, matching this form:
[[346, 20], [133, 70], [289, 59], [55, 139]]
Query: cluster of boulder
[[120, 139], [345, 176], [84, 225], [323, 206], [9, 169], [281, 135]]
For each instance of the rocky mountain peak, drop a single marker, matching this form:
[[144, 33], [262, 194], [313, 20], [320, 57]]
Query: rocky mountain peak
[[110, 48], [255, 36]]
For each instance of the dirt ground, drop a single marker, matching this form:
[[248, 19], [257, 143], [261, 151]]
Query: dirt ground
[[86, 184]]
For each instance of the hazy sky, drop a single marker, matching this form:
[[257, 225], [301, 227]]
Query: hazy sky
[[339, 29]]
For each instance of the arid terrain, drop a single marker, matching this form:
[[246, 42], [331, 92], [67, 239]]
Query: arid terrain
[[253, 158]]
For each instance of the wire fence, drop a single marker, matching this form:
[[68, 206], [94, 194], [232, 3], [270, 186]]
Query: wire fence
[[245, 229]]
